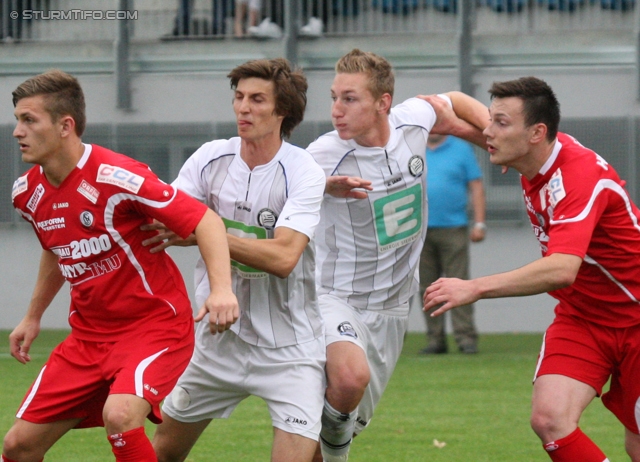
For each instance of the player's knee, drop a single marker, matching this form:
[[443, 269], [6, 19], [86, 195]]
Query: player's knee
[[117, 419], [165, 449], [17, 448], [350, 380], [544, 424]]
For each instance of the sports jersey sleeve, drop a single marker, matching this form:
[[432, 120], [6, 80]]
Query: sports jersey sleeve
[[190, 178], [578, 200], [418, 111], [151, 197], [301, 211]]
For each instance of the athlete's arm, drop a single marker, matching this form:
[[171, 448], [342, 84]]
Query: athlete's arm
[[277, 256], [48, 284], [221, 304], [464, 118], [543, 275]]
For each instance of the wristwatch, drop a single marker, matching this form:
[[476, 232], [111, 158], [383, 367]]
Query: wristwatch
[[480, 225]]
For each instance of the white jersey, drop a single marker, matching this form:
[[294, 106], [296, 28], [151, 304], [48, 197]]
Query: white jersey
[[287, 191], [369, 249]]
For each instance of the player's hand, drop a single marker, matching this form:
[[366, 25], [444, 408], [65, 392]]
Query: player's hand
[[164, 238], [347, 186], [223, 310], [22, 337], [450, 293], [477, 234]]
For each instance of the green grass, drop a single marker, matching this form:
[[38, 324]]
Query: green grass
[[478, 405]]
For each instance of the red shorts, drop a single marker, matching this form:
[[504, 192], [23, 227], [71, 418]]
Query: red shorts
[[592, 353], [80, 375]]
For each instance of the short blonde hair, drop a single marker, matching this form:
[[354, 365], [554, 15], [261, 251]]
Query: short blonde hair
[[379, 70]]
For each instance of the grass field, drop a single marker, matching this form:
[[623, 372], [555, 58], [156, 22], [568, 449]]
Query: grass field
[[478, 405]]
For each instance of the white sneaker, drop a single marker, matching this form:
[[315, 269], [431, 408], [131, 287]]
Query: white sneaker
[[266, 29], [313, 28]]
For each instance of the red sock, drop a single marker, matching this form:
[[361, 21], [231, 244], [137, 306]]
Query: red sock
[[132, 446], [575, 446]]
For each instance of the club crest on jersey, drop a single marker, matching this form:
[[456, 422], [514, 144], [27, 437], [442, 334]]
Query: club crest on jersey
[[19, 186], [86, 218], [119, 177], [35, 198], [345, 328], [267, 218], [88, 191], [416, 165]]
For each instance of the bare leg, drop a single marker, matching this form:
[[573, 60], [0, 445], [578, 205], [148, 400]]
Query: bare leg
[[289, 447], [28, 442], [173, 439]]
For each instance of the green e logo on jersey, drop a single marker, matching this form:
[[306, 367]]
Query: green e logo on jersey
[[239, 229], [399, 217]]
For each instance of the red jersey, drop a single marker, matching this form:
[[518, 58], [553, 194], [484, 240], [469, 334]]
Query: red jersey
[[92, 223], [578, 205]]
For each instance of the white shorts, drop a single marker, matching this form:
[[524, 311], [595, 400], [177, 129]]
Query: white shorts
[[224, 370], [379, 333], [253, 4]]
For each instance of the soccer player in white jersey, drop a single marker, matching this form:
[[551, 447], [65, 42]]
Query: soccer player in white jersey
[[130, 315], [589, 234], [371, 234], [268, 193]]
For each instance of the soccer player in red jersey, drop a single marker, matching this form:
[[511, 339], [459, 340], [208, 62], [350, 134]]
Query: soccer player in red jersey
[[130, 315], [589, 234]]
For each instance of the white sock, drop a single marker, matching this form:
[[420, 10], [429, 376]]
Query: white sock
[[336, 433]]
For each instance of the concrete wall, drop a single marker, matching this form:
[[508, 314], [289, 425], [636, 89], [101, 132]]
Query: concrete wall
[[505, 248]]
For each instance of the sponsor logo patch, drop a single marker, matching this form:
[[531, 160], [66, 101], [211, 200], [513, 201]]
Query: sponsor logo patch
[[19, 186], [60, 205], [51, 224], [295, 420], [35, 198], [88, 191], [119, 177]]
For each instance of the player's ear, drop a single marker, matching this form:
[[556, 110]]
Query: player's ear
[[384, 103], [67, 125], [538, 133]]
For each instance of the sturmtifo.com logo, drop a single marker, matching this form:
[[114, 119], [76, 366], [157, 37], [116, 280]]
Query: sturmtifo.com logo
[[61, 15]]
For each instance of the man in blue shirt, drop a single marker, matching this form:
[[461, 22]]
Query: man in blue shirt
[[452, 175]]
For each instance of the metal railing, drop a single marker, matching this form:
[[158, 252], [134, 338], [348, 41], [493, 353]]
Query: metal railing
[[67, 20]]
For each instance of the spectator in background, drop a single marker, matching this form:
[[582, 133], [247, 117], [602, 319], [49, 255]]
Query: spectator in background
[[452, 173], [244, 9]]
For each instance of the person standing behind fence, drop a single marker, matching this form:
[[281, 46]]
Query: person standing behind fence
[[249, 9], [453, 174]]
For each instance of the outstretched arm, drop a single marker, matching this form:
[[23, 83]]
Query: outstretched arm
[[543, 275], [48, 284], [221, 304], [465, 118]]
